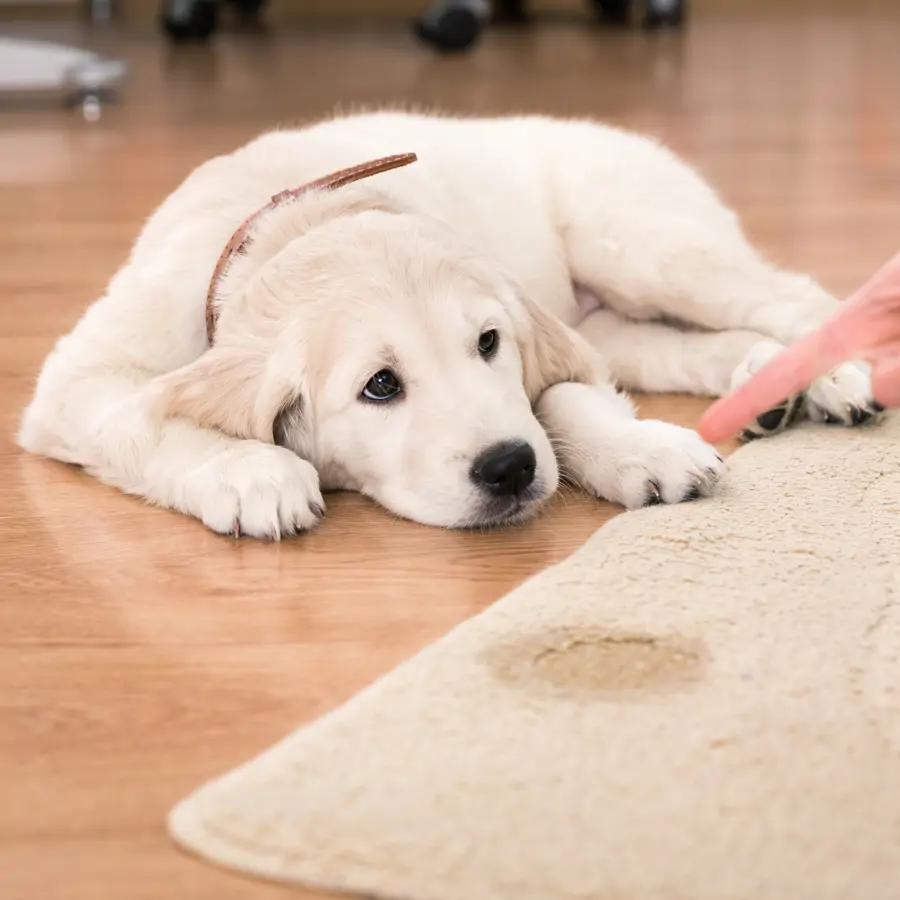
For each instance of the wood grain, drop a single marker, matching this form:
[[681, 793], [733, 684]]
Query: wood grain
[[140, 654]]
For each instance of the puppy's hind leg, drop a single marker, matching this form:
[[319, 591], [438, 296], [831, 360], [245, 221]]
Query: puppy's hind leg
[[716, 282], [656, 357], [657, 242]]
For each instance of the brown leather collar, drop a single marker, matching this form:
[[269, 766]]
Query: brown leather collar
[[241, 237]]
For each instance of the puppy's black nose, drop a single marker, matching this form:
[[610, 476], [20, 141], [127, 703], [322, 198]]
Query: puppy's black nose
[[504, 469]]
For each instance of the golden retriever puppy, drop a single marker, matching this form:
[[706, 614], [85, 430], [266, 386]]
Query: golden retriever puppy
[[444, 335]]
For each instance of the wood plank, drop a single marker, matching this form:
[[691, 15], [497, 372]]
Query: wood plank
[[140, 654]]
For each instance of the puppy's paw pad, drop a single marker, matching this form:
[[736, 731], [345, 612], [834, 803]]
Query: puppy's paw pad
[[778, 418], [775, 420], [843, 397], [257, 490]]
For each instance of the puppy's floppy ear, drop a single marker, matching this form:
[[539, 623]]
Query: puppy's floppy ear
[[228, 389], [551, 351]]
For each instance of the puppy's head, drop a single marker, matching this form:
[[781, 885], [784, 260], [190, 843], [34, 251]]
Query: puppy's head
[[380, 348]]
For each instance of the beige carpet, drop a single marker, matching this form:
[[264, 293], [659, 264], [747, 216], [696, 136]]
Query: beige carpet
[[702, 704]]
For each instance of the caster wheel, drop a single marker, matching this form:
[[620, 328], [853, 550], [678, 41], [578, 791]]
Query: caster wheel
[[614, 12], [665, 14], [190, 20], [91, 107], [453, 27]]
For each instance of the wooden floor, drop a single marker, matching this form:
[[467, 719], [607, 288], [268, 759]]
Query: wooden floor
[[140, 654]]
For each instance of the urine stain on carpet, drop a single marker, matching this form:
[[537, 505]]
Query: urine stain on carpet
[[604, 664]]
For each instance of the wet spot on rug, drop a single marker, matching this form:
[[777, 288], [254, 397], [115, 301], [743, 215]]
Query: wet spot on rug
[[605, 664]]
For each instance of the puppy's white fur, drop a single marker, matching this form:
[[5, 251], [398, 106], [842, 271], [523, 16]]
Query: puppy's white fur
[[595, 254]]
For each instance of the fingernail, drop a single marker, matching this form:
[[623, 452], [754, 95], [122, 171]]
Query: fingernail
[[236, 531], [317, 510], [877, 407]]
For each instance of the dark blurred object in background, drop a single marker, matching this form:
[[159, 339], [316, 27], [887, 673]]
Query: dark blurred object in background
[[450, 26], [197, 20], [657, 13]]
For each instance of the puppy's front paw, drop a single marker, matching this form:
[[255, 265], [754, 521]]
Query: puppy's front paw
[[655, 462], [843, 397], [258, 490]]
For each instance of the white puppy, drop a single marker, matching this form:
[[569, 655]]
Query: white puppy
[[445, 337]]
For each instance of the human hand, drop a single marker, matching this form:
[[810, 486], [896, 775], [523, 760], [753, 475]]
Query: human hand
[[865, 327]]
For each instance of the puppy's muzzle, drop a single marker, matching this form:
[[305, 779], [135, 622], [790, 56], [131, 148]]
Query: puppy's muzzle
[[504, 470]]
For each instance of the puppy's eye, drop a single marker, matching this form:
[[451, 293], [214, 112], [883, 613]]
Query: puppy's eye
[[383, 385], [488, 343]]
